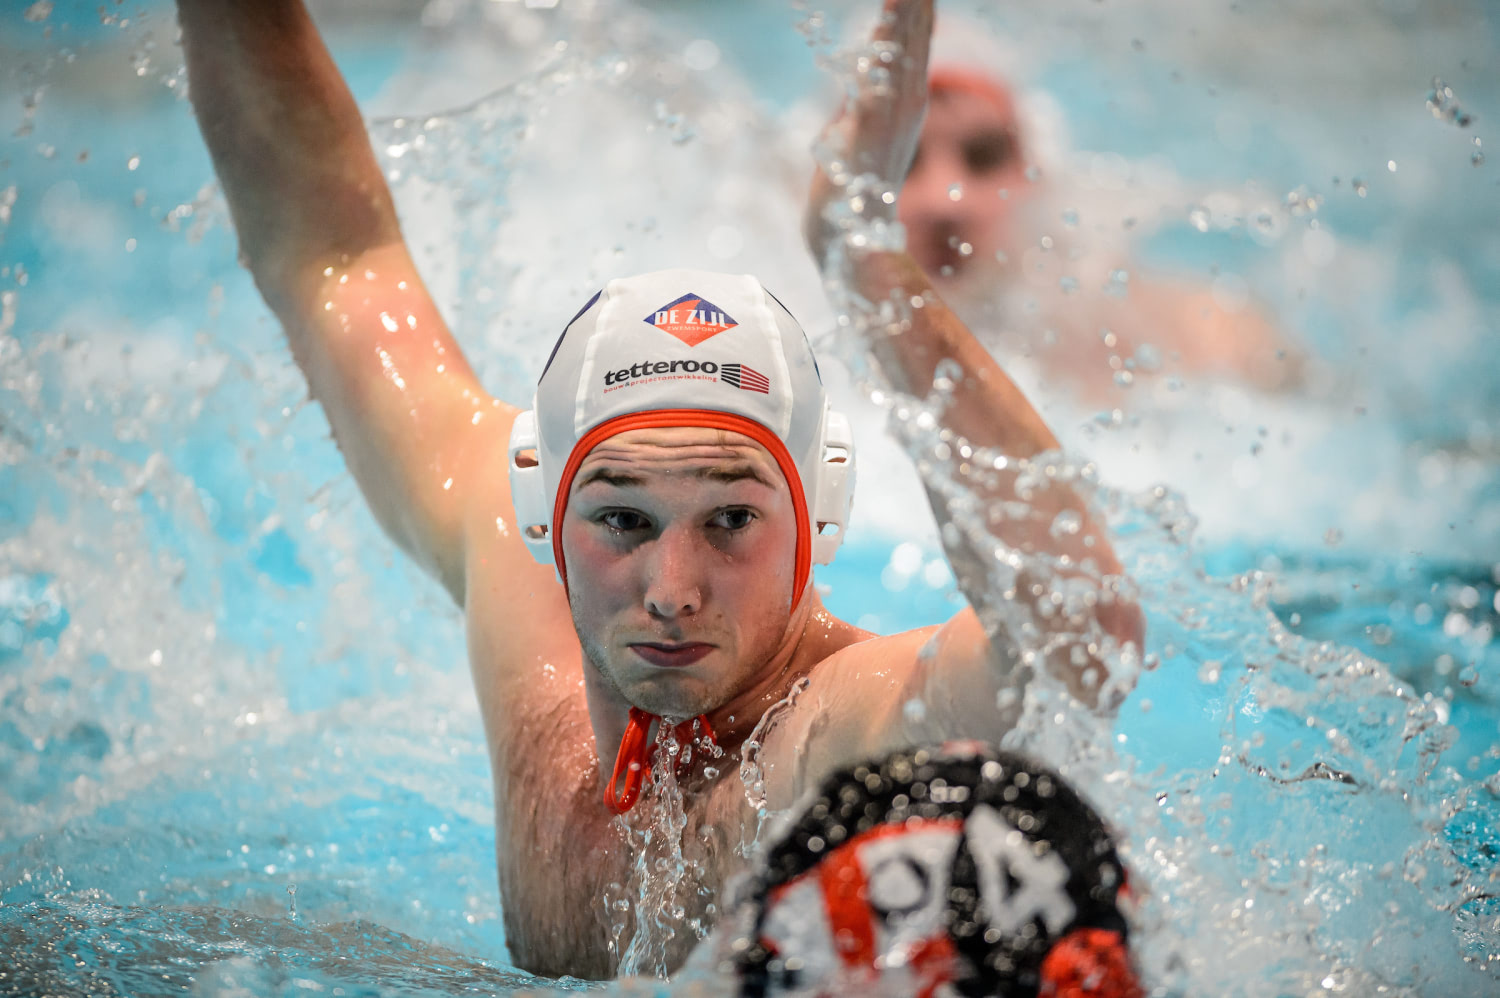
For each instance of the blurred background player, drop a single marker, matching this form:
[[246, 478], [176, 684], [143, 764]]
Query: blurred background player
[[1015, 255]]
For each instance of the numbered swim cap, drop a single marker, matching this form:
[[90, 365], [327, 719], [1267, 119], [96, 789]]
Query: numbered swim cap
[[961, 871], [684, 348]]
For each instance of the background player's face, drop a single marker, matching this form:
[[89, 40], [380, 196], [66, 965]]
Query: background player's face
[[679, 544], [966, 177]]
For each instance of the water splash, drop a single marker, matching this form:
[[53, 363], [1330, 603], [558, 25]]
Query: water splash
[[1320, 742], [169, 647], [668, 902], [752, 776], [1445, 106]]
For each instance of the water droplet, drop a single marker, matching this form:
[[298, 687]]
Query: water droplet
[[1445, 106], [1456, 624], [1210, 671], [945, 378], [1302, 202], [1068, 523], [956, 192], [1360, 187]]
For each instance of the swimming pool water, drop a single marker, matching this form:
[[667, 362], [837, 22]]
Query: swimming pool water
[[219, 683]]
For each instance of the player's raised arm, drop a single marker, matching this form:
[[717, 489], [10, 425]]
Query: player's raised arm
[[877, 133], [318, 231]]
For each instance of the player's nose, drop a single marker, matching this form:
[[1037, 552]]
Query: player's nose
[[673, 567], [935, 184]]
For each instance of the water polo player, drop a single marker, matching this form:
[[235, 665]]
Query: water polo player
[[638, 544], [959, 870], [1016, 249]]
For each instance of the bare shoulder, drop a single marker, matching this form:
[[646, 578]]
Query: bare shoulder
[[904, 663], [873, 696]]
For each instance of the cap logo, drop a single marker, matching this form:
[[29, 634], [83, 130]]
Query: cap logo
[[692, 319], [745, 377]]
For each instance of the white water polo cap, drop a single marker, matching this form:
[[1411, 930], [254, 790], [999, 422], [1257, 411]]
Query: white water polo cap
[[684, 348]]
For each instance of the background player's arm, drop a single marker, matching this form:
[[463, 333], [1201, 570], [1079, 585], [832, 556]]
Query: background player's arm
[[318, 230], [880, 132]]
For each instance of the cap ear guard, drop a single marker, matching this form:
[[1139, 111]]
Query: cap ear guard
[[833, 490], [528, 491]]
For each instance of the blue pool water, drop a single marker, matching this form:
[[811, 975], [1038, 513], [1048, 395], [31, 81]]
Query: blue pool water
[[238, 749]]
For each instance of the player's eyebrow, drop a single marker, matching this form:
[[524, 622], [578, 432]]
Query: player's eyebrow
[[611, 476], [726, 473], [735, 473]]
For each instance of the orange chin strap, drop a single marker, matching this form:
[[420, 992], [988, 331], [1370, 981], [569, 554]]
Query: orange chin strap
[[633, 761]]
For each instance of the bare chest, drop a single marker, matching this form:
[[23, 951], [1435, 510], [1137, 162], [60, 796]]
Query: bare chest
[[589, 894]]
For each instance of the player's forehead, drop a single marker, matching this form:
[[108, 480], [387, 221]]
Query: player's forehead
[[672, 452], [954, 113]]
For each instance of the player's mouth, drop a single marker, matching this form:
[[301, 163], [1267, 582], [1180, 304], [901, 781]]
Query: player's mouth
[[669, 654], [940, 254]]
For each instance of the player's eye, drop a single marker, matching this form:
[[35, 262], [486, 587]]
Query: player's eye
[[989, 151], [622, 520], [736, 518]]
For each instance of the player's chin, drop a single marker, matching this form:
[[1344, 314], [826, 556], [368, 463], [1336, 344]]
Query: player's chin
[[679, 695]]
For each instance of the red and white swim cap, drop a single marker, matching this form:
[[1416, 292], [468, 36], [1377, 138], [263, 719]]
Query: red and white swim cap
[[961, 870], [684, 348]]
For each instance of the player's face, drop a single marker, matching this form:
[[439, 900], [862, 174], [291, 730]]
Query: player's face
[[967, 175], [680, 544]]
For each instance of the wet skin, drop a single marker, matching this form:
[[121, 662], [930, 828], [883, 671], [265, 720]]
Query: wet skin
[[682, 579], [679, 546]]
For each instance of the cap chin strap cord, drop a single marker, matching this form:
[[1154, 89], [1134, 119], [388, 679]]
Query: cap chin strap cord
[[636, 753]]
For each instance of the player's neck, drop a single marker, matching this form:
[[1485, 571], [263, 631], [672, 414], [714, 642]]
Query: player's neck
[[801, 649], [810, 636]]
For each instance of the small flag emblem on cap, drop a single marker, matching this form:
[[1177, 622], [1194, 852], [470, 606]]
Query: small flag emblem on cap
[[691, 318], [744, 377]]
